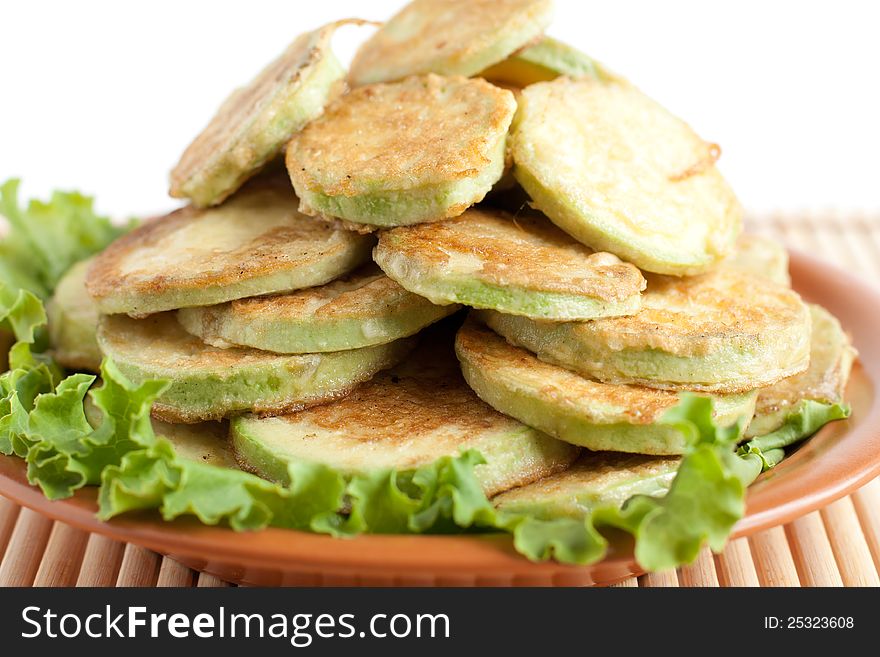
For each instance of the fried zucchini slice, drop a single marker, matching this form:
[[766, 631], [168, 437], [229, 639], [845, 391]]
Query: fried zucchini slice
[[542, 62], [423, 149], [363, 309], [524, 266], [404, 418], [761, 256], [73, 321], [255, 243], [594, 481], [449, 37], [724, 331], [831, 360], [621, 174], [208, 383], [581, 411], [255, 122]]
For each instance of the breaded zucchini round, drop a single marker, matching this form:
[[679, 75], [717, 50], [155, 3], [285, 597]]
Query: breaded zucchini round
[[486, 258], [423, 149], [761, 256], [360, 310], [404, 418], [542, 62], [73, 321], [621, 174], [831, 359], [724, 331], [581, 411], [450, 37], [208, 383], [594, 481], [255, 243], [255, 122]]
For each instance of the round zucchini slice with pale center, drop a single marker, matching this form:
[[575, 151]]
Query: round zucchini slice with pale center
[[404, 418], [363, 309], [255, 122], [621, 174], [594, 481], [208, 383], [450, 37], [724, 331], [542, 62], [423, 149], [568, 406], [524, 266], [255, 243], [73, 321], [831, 360]]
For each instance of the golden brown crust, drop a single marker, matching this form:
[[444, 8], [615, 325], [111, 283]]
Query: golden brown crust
[[422, 131], [159, 347], [451, 36], [619, 172], [257, 233], [357, 295], [692, 316], [526, 251], [176, 415], [159, 343], [831, 358], [496, 358], [592, 470], [418, 397], [229, 136]]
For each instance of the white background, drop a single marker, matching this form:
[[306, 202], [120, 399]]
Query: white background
[[103, 96]]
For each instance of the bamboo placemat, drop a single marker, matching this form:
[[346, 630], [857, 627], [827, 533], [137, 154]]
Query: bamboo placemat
[[835, 546]]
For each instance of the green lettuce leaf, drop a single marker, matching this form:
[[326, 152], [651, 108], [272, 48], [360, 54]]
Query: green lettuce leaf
[[64, 451], [565, 539], [705, 500], [444, 496], [807, 417], [46, 238], [156, 477]]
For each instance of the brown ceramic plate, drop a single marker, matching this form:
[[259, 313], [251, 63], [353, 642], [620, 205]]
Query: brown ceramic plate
[[837, 460]]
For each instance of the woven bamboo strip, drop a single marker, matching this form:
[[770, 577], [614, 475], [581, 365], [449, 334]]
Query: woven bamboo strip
[[8, 516], [774, 563], [735, 566], [813, 556], [665, 578], [701, 572], [206, 580], [867, 262], [139, 567], [61, 560], [172, 573], [867, 505], [628, 583], [101, 561], [848, 543], [26, 545]]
